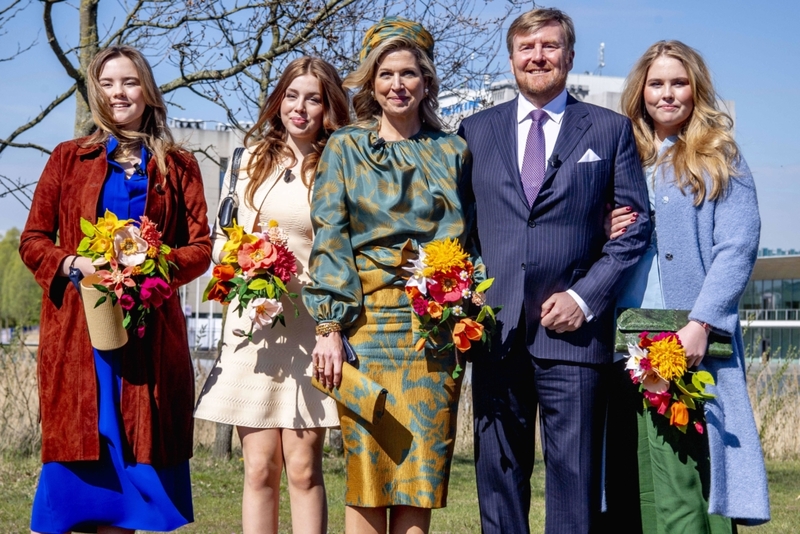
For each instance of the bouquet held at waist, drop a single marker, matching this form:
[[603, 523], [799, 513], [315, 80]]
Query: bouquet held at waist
[[658, 364], [448, 301], [137, 273], [255, 269]]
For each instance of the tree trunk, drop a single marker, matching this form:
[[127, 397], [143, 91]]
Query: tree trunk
[[88, 49], [223, 437]]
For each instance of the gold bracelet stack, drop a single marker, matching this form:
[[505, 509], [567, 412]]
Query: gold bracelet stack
[[323, 329]]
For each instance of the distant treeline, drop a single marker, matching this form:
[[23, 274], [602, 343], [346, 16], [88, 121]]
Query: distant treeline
[[20, 295]]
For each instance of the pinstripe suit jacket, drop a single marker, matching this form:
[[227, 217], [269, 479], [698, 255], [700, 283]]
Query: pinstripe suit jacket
[[560, 242]]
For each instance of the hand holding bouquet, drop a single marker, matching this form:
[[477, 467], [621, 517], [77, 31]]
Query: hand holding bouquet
[[447, 300], [138, 270], [658, 365], [255, 269]]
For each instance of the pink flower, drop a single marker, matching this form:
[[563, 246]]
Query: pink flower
[[654, 383], [154, 291], [126, 302], [285, 264], [699, 427], [263, 311], [660, 401], [140, 331], [148, 231], [259, 255], [420, 306], [448, 287], [116, 279], [129, 247]]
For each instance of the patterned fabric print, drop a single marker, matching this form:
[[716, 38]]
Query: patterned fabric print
[[371, 210], [396, 27]]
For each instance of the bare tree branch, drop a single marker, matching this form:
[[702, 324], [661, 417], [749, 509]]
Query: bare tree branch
[[37, 119]]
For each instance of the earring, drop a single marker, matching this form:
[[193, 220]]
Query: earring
[[426, 90], [372, 94]]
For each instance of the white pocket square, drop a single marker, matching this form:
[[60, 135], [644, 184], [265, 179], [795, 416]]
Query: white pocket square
[[589, 157]]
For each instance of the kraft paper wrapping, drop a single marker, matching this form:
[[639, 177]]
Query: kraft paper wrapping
[[105, 321]]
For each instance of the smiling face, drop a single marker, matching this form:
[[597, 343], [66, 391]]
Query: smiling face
[[540, 63], [399, 85], [303, 109], [668, 96], [120, 83]]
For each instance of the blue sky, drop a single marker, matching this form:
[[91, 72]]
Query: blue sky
[[753, 52]]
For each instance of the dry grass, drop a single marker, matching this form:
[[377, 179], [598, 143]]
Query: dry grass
[[775, 394]]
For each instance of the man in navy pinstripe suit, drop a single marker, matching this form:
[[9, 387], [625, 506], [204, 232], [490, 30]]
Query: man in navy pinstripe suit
[[544, 167]]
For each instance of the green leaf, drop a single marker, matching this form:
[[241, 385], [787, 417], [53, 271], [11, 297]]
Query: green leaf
[[704, 377], [688, 401], [481, 315], [126, 321], [208, 288], [490, 311], [87, 228], [445, 314], [164, 249], [278, 282], [457, 372], [148, 266], [257, 284], [483, 286], [100, 301], [270, 291], [101, 288]]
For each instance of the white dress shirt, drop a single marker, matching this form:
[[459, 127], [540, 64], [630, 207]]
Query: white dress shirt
[[555, 110]]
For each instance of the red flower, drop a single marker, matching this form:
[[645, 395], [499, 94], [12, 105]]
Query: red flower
[[219, 291], [148, 232], [420, 306], [285, 264], [699, 427], [140, 331], [644, 341], [449, 286], [154, 291], [224, 273], [126, 302], [660, 401]]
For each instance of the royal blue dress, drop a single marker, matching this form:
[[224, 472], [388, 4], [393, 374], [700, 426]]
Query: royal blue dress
[[80, 496]]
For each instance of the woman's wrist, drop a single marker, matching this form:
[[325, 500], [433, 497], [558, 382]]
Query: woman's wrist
[[706, 327], [326, 328]]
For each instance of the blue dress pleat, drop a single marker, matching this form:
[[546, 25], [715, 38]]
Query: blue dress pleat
[[80, 496]]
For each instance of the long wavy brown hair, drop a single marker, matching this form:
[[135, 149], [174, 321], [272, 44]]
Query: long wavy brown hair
[[267, 138], [153, 131], [367, 109], [705, 148]]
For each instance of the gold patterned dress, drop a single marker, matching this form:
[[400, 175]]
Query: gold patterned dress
[[372, 209]]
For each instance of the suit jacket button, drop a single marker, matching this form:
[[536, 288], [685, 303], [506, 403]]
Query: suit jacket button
[[531, 223], [665, 199], [523, 266], [668, 256]]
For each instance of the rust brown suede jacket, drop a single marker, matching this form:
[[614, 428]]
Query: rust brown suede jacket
[[157, 374]]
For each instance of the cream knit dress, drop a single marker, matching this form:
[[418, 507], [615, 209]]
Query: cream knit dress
[[266, 383]]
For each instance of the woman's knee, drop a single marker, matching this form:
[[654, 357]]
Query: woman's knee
[[304, 471]]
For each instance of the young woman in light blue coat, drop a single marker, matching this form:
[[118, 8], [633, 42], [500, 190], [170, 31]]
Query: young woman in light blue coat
[[704, 206]]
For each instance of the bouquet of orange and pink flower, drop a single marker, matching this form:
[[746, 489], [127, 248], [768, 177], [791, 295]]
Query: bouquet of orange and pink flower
[[137, 269], [255, 270], [447, 300], [658, 365]]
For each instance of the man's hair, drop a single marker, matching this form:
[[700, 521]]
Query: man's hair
[[533, 20]]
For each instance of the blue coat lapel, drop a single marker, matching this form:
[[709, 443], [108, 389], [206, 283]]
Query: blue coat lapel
[[504, 124]]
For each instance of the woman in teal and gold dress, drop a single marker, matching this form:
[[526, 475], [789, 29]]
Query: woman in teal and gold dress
[[385, 187]]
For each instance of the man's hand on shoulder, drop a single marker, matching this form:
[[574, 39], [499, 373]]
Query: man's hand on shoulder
[[561, 313]]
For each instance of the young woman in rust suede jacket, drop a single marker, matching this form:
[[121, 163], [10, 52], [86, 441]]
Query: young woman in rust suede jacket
[[120, 464]]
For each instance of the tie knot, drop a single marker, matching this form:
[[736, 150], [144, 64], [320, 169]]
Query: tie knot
[[539, 116]]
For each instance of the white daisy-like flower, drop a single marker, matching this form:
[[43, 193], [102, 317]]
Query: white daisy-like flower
[[457, 311], [464, 275], [635, 356], [465, 294], [417, 271]]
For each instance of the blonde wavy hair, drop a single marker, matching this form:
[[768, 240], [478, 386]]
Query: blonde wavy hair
[[367, 109], [705, 145], [153, 131], [268, 135]]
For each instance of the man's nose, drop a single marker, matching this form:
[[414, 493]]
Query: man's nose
[[537, 53]]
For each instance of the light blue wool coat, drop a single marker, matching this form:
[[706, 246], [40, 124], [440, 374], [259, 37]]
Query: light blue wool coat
[[706, 254]]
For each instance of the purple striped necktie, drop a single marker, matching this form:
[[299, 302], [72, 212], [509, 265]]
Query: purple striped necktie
[[533, 168]]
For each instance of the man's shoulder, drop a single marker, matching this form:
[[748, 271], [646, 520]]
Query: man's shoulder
[[485, 115], [599, 113]]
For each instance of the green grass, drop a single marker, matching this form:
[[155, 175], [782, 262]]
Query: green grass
[[217, 496]]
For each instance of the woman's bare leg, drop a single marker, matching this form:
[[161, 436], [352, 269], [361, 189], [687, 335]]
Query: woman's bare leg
[[360, 520], [263, 463], [409, 520], [302, 456]]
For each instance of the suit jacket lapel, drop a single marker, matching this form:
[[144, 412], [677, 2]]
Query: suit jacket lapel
[[576, 123], [505, 129]]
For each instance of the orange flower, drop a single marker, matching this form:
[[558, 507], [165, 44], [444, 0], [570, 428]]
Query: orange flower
[[219, 291], [412, 292], [679, 415], [464, 331], [224, 272], [434, 309], [420, 344]]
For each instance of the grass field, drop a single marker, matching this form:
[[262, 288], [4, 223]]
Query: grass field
[[217, 494]]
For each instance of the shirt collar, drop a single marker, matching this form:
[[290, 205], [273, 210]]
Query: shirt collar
[[555, 108]]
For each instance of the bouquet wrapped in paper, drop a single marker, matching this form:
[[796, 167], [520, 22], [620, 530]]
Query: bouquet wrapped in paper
[[447, 300], [137, 272], [658, 365], [255, 270]]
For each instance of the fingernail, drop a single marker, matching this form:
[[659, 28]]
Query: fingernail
[[624, 230], [627, 208]]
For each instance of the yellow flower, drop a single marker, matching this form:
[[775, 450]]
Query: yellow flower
[[443, 255], [273, 223], [108, 224], [236, 238], [668, 357]]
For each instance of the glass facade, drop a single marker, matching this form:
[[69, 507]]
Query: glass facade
[[771, 300]]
